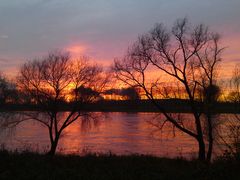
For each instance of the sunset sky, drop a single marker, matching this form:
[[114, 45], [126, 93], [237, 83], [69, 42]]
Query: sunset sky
[[103, 29]]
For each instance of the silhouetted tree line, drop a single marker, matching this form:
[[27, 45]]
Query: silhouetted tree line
[[11, 95], [129, 93], [8, 91]]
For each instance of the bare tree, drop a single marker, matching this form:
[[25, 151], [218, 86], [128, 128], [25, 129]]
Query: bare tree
[[234, 95], [210, 98], [8, 95], [230, 134], [4, 89], [209, 59], [53, 82], [187, 56]]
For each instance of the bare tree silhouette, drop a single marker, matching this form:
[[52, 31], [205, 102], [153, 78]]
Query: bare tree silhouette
[[52, 81], [8, 94], [7, 90], [231, 134], [188, 56]]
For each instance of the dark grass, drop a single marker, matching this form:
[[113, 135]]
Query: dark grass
[[26, 165]]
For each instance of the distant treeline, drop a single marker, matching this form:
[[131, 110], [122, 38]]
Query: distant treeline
[[171, 105]]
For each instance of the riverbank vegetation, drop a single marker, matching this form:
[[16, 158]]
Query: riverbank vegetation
[[25, 165]]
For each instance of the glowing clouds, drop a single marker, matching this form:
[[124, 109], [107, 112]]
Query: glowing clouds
[[77, 50]]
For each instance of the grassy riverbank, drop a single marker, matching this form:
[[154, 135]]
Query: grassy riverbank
[[35, 166]]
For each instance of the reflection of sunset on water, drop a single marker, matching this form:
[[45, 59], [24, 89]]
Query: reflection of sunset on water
[[119, 133]]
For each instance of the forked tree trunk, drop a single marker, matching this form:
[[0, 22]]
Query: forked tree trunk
[[53, 147]]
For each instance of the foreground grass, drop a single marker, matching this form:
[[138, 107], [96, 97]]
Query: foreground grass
[[35, 166]]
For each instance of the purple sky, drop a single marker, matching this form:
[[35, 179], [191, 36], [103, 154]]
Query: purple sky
[[103, 29]]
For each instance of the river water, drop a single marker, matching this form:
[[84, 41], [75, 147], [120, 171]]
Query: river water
[[118, 133]]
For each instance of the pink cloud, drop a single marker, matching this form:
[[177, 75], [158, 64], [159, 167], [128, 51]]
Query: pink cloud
[[77, 50]]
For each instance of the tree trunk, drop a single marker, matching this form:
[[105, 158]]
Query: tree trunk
[[210, 137], [53, 148], [201, 149], [200, 139]]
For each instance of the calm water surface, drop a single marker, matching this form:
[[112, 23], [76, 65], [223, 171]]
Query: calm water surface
[[119, 133]]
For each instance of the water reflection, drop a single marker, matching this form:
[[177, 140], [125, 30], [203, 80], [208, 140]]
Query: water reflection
[[120, 133]]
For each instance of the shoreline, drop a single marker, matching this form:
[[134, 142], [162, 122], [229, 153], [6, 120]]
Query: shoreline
[[172, 106]]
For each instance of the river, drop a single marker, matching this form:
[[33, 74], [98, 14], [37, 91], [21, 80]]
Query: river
[[115, 132]]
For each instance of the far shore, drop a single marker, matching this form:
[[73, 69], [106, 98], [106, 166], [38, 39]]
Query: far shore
[[171, 105]]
